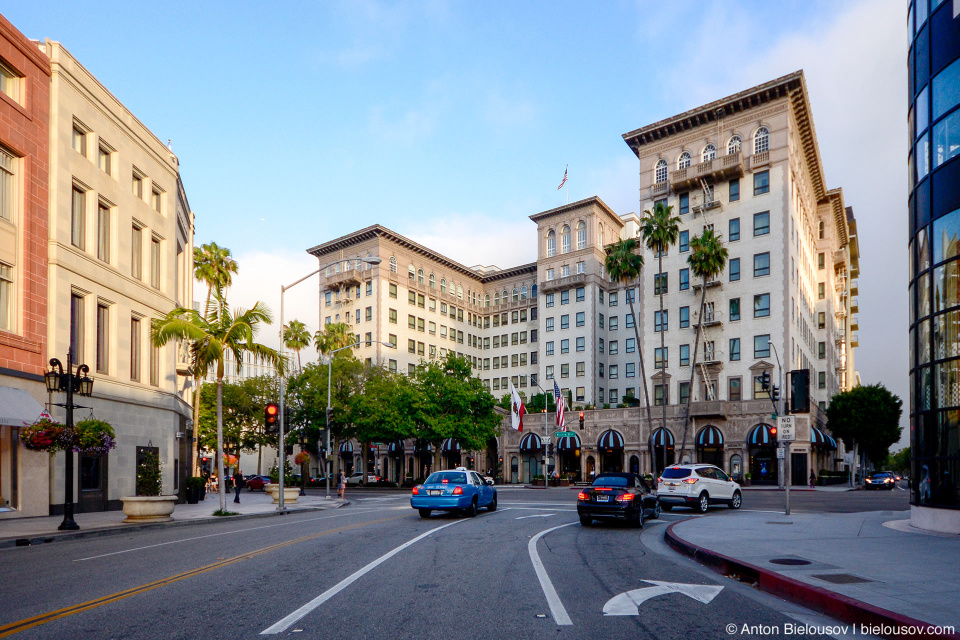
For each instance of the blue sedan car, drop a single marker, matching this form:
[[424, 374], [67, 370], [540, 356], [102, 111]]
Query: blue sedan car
[[457, 490]]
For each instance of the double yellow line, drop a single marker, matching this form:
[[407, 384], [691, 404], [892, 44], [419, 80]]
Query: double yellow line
[[29, 623]]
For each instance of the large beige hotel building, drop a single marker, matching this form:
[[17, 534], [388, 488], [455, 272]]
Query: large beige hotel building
[[749, 167]]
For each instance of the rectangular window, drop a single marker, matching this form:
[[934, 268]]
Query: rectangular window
[[822, 380], [581, 318], [79, 140], [392, 366], [432, 329], [392, 315], [734, 309], [613, 299], [420, 324], [369, 292], [103, 338], [550, 275], [761, 183], [735, 190], [684, 203], [565, 321], [77, 327], [393, 291], [154, 365], [8, 183], [684, 241], [368, 314], [734, 389], [581, 344], [421, 301], [734, 349], [761, 264], [761, 346], [78, 219], [820, 290], [549, 348], [549, 372], [600, 345], [581, 267], [820, 261], [565, 297], [103, 233], [156, 200], [661, 320], [684, 317], [821, 320], [761, 305], [6, 297], [411, 322], [565, 271], [614, 372], [683, 390], [684, 279], [761, 223], [581, 369], [613, 322], [155, 263], [411, 346], [734, 234], [614, 347], [136, 253], [685, 355], [104, 160], [549, 299], [135, 349], [660, 284], [564, 346], [533, 335], [581, 293], [138, 185], [581, 394], [660, 357], [821, 350], [659, 395], [734, 269], [412, 297], [549, 323]]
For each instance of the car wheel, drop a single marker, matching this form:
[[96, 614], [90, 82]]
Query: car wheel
[[656, 511], [424, 513], [471, 511], [736, 500], [493, 503], [666, 507], [637, 519], [704, 502], [585, 521]]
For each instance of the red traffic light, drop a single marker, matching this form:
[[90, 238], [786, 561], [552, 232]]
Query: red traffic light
[[272, 409], [270, 414], [581, 415], [773, 431]]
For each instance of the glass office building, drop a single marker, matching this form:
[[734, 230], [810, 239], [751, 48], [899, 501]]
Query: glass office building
[[934, 211]]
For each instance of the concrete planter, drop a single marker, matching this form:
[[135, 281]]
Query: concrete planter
[[290, 494], [148, 508]]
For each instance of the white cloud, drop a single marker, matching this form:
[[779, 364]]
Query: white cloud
[[476, 238]]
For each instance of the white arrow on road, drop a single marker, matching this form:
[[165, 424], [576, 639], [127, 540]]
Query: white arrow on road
[[537, 515], [628, 603]]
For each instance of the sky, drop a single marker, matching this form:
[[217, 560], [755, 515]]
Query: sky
[[452, 122]]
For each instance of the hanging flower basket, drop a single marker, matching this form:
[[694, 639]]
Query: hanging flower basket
[[230, 460], [89, 436], [302, 458], [46, 435], [93, 437]]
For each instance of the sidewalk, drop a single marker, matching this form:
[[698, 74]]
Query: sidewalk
[[833, 488], [863, 568], [23, 531]]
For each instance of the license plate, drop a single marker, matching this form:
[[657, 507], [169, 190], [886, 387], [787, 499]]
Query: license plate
[[603, 498], [435, 492], [671, 488]]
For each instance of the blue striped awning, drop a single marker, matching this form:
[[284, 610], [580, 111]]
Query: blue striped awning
[[450, 444], [568, 443], [422, 446], [710, 437], [833, 443], [821, 440], [395, 447], [346, 447], [663, 438], [760, 436], [531, 442], [610, 439]]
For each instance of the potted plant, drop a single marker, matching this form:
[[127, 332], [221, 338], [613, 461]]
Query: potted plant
[[149, 505], [194, 488], [45, 435], [746, 479]]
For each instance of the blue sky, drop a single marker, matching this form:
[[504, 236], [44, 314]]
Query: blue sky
[[452, 122]]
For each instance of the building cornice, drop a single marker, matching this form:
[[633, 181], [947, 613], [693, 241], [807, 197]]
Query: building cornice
[[574, 206]]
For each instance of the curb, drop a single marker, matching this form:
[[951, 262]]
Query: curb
[[44, 538], [834, 604]]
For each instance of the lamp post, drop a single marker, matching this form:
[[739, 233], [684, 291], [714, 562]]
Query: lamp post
[[785, 464], [80, 383], [327, 359], [281, 451]]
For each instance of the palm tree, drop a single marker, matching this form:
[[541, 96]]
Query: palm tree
[[296, 337], [333, 336], [213, 266], [624, 264], [660, 231], [211, 335], [707, 259]]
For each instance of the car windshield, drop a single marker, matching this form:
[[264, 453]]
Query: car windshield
[[881, 475], [673, 473], [448, 477], [610, 481]]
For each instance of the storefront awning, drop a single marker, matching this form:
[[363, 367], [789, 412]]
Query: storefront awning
[[395, 447], [346, 447], [710, 437], [18, 408], [449, 445], [568, 443], [610, 439], [760, 436], [531, 442], [820, 440], [663, 438]]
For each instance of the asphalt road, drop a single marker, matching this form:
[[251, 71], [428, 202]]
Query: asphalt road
[[375, 569]]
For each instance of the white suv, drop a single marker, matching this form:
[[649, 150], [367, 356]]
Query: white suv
[[697, 486]]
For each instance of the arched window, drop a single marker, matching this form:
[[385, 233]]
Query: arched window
[[734, 145], [358, 265], [459, 292], [565, 239], [709, 152], [684, 160], [600, 224], [516, 294], [486, 301], [582, 235], [393, 264], [660, 172], [523, 292], [505, 296], [496, 298], [820, 229], [420, 276], [443, 285], [411, 272], [551, 244], [433, 281], [761, 140]]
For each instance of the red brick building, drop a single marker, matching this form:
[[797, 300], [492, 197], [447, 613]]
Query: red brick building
[[24, 181]]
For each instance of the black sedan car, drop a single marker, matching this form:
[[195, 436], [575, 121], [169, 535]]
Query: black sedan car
[[618, 495], [881, 480]]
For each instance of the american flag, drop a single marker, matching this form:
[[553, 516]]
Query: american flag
[[564, 181], [559, 400]]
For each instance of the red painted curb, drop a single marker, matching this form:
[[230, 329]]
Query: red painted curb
[[831, 603]]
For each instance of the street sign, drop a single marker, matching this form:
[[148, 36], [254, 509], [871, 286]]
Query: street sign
[[564, 434], [546, 439], [780, 453], [787, 428]]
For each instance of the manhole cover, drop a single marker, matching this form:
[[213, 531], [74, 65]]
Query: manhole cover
[[841, 578], [790, 561]]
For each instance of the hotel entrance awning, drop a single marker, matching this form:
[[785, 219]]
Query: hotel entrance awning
[[18, 408]]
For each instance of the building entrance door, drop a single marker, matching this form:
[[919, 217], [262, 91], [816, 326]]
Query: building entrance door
[[798, 470], [93, 483]]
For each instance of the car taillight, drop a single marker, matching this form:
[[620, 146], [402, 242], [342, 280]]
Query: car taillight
[[458, 491], [691, 480], [582, 496], [660, 479], [416, 491], [627, 497]]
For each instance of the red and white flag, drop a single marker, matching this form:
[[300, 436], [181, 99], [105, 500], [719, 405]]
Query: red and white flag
[[561, 422], [517, 408], [564, 181]]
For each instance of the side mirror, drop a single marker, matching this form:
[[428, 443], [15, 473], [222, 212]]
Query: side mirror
[[490, 482]]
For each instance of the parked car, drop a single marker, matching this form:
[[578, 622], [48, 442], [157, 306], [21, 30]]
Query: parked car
[[454, 490], [880, 480], [357, 477], [697, 486], [624, 496], [256, 482]]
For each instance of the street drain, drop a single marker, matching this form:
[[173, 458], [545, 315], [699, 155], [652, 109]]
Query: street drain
[[790, 561], [841, 578]]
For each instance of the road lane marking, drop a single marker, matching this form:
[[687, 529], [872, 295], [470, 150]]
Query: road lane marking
[[536, 515], [539, 509], [628, 603], [284, 623], [28, 623], [553, 600]]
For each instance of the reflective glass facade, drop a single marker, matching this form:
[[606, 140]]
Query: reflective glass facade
[[934, 210]]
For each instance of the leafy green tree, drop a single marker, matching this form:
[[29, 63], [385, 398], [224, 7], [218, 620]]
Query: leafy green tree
[[296, 337], [898, 462], [866, 418], [707, 259], [333, 336], [384, 409], [624, 264]]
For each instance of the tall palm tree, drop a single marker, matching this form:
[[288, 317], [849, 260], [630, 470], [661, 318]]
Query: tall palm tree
[[211, 335], [213, 266], [660, 231], [296, 337], [333, 336], [707, 259], [624, 264]]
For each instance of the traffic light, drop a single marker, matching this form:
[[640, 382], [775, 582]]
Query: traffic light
[[271, 417], [205, 466], [550, 450], [329, 415], [581, 421], [773, 432], [799, 391], [765, 380], [776, 393]]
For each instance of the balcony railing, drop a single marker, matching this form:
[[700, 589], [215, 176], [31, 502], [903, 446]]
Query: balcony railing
[[839, 258], [345, 278], [660, 189], [563, 283], [720, 168], [759, 159]]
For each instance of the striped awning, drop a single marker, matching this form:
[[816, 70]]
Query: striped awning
[[610, 439], [568, 443], [833, 443], [422, 446], [450, 444], [710, 437], [531, 442], [821, 440], [760, 436], [663, 438], [346, 447], [395, 447]]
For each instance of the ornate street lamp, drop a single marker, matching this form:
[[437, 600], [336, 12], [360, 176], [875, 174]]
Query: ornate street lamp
[[72, 383]]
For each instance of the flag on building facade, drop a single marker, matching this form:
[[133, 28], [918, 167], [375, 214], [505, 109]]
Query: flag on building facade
[[517, 408], [564, 181], [559, 400]]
